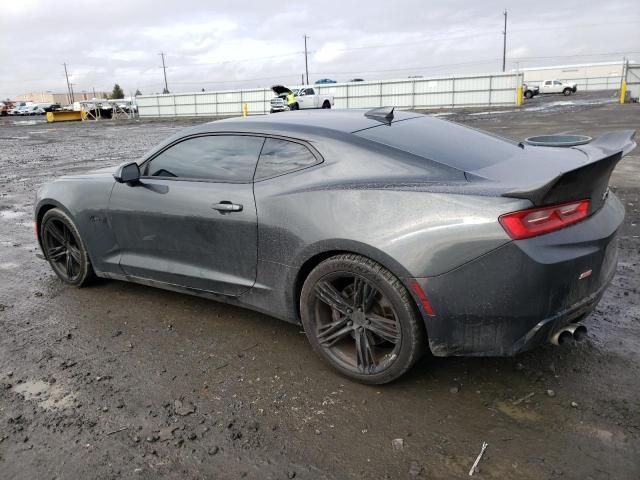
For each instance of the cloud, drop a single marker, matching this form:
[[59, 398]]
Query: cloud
[[249, 43], [329, 52]]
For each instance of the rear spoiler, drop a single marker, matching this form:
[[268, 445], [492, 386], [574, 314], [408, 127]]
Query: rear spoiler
[[587, 181]]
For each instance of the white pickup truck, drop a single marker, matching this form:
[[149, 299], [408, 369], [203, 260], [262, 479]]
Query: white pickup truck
[[306, 97], [556, 86]]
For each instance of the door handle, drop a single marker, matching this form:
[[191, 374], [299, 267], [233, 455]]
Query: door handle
[[226, 206]]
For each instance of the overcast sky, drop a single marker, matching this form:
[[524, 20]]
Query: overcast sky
[[218, 45]]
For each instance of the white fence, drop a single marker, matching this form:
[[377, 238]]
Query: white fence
[[633, 81], [419, 93], [611, 82]]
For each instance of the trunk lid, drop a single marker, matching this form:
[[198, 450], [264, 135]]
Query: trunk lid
[[549, 175]]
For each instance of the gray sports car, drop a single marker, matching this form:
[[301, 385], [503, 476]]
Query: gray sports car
[[386, 234]]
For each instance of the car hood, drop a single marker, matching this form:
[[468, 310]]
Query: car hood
[[280, 89], [103, 171]]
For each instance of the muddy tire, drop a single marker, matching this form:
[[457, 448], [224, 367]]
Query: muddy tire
[[361, 319], [64, 249]]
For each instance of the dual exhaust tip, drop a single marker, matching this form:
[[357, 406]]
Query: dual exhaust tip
[[571, 333]]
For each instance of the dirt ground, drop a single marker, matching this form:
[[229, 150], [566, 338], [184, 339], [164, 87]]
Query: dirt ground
[[126, 381]]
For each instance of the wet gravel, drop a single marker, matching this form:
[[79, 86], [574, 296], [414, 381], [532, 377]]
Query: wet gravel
[[126, 381]]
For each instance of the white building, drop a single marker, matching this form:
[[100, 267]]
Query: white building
[[588, 76]]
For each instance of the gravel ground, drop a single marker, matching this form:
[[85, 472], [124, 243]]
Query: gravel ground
[[126, 381]]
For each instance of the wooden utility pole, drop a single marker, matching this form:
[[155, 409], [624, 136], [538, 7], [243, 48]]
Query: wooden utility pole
[[504, 42], [69, 91], [306, 64], [164, 69]]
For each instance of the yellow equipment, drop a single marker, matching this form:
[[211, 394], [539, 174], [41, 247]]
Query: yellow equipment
[[66, 116]]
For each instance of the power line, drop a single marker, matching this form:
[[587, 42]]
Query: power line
[[477, 62]]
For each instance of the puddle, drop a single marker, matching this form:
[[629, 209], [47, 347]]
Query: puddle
[[8, 265], [11, 214], [493, 112], [518, 413], [607, 437], [48, 397]]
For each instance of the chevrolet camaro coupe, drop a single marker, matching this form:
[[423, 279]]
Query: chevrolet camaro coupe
[[385, 234]]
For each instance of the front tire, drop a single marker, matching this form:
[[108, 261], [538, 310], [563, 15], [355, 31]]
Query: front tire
[[361, 319], [64, 249], [528, 94], [326, 104], [567, 92]]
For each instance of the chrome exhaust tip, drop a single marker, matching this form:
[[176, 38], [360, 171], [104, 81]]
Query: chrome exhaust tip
[[568, 334], [562, 337], [578, 331]]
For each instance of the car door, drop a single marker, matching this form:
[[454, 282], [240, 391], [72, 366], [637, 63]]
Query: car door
[[312, 98], [301, 98], [546, 86], [191, 219]]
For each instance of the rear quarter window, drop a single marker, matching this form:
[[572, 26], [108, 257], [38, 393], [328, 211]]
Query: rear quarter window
[[443, 142], [282, 156]]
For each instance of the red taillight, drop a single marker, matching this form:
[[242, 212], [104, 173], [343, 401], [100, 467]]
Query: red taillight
[[538, 221]]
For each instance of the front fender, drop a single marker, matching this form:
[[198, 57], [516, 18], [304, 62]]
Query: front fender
[[85, 200]]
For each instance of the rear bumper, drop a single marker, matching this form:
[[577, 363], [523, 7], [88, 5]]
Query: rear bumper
[[513, 298]]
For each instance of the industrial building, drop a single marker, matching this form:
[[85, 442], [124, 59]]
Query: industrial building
[[61, 98], [588, 76]]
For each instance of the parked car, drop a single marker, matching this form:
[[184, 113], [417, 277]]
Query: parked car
[[33, 110], [17, 108], [306, 97], [324, 81], [356, 80], [51, 107], [530, 91], [384, 234], [556, 86]]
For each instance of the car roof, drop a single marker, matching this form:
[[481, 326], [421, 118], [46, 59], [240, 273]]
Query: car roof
[[342, 121]]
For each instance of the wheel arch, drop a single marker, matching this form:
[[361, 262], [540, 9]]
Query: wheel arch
[[312, 260], [42, 208]]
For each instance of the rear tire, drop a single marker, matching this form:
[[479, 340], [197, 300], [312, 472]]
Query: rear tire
[[567, 92], [64, 249], [361, 320]]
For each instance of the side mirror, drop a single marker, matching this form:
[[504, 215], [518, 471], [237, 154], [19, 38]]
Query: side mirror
[[127, 173]]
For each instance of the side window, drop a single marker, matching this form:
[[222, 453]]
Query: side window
[[222, 158], [557, 83], [310, 91], [281, 156], [548, 82]]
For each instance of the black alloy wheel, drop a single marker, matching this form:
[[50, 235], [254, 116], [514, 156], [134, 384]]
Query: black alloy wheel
[[361, 319], [64, 250]]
